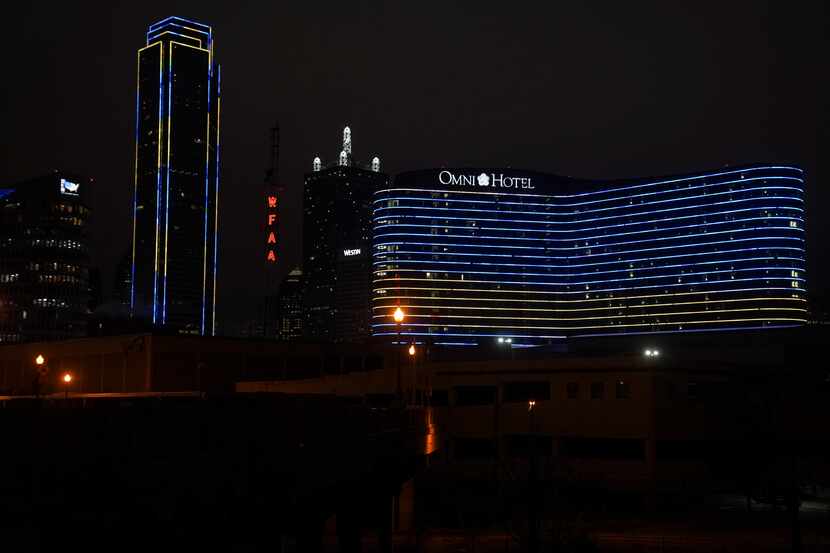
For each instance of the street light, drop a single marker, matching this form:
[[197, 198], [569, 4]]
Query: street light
[[652, 352], [399, 316], [67, 380], [412, 349], [40, 377]]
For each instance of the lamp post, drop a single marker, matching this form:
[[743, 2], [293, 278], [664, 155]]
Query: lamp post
[[411, 351], [533, 506], [40, 377], [67, 380], [399, 316]]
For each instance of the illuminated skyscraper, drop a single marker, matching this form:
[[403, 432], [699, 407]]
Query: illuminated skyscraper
[[478, 255], [337, 241], [176, 189]]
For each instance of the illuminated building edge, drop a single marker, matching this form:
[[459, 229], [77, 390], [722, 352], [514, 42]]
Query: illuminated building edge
[[178, 168], [477, 254]]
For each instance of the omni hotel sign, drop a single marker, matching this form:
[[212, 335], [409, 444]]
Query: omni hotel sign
[[485, 180]]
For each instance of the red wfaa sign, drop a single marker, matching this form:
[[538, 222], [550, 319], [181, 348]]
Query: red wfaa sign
[[271, 228]]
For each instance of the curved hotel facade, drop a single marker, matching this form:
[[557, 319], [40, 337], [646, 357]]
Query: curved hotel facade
[[473, 255]]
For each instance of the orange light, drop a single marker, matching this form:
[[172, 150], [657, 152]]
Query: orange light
[[412, 350], [399, 315], [67, 378], [40, 360], [272, 257], [272, 239], [272, 201], [271, 219]]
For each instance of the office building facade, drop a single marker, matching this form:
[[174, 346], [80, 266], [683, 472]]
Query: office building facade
[[176, 189], [290, 307], [44, 259], [337, 242], [526, 258]]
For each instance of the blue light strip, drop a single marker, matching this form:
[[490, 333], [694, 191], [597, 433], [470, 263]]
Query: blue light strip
[[135, 181], [631, 206], [207, 197], [216, 199], [172, 18], [167, 188], [158, 184], [616, 188]]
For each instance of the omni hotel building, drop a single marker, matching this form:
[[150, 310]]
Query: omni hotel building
[[477, 255]]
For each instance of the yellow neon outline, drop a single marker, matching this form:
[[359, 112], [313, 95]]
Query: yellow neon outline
[[674, 323], [642, 306], [158, 37], [705, 311], [158, 171]]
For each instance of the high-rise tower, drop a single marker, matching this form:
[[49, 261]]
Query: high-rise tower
[[176, 190], [337, 242]]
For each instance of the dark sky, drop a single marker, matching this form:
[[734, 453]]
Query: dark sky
[[588, 89]]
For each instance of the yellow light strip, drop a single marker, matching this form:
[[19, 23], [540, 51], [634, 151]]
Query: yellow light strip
[[647, 315], [158, 181], [674, 323], [631, 306], [158, 37]]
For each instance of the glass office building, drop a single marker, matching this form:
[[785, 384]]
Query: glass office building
[[45, 288], [176, 190], [473, 255]]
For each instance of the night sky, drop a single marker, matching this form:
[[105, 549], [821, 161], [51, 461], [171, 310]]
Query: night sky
[[587, 89]]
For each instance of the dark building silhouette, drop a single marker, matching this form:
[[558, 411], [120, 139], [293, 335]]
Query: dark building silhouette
[[122, 283], [290, 305], [176, 194], [45, 288], [337, 240], [482, 255]]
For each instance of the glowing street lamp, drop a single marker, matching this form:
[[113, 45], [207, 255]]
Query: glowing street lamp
[[412, 349], [67, 380], [399, 315], [40, 360]]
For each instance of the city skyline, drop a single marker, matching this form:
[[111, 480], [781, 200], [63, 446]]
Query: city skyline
[[595, 111]]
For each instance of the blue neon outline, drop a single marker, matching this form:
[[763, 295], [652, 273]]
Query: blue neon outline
[[576, 214], [135, 186], [216, 200], [177, 18], [207, 197], [167, 192], [622, 188]]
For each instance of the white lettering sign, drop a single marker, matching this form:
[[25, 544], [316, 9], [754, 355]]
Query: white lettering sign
[[485, 180], [350, 253]]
